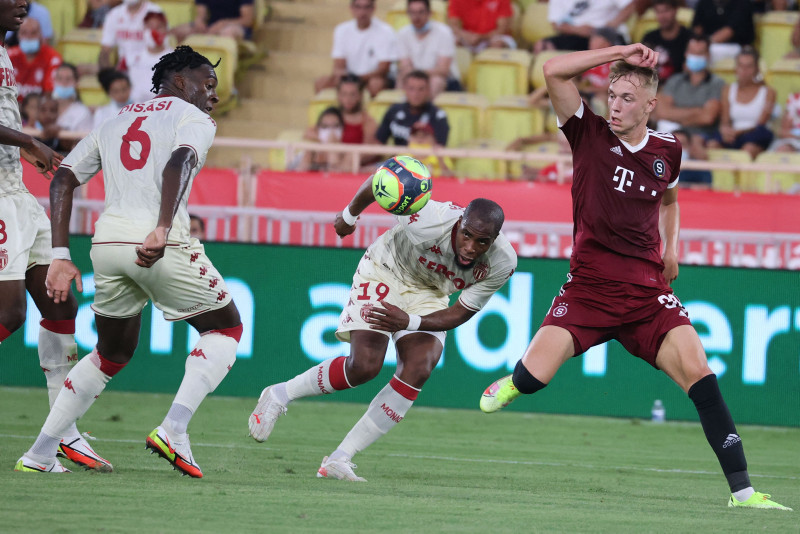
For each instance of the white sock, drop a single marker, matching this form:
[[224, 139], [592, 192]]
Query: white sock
[[322, 379], [744, 494], [388, 408], [206, 366], [83, 384], [178, 418], [58, 354]]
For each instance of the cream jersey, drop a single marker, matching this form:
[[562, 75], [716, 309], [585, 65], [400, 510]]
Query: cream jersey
[[420, 252], [10, 167], [132, 149]]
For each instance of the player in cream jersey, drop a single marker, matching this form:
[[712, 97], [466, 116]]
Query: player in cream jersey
[[25, 249], [400, 291], [142, 251]]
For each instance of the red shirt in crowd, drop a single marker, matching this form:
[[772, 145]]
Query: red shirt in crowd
[[479, 16], [35, 76]]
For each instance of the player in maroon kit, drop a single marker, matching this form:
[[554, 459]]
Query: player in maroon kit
[[625, 188]]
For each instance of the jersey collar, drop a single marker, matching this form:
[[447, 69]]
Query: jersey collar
[[638, 147]]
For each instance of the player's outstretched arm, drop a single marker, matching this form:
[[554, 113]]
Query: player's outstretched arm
[[345, 223], [560, 70], [62, 271], [175, 177], [390, 318], [669, 227]]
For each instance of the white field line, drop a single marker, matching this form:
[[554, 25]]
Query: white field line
[[451, 458]]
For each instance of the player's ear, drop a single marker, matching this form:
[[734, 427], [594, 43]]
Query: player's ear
[[651, 104]]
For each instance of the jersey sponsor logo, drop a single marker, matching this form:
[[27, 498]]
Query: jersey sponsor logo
[[659, 168], [438, 268], [480, 271], [623, 179], [7, 78], [3, 258], [616, 150]]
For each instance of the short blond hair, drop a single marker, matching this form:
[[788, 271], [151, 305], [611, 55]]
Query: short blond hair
[[648, 76]]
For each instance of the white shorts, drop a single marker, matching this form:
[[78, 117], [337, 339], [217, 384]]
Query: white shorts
[[182, 284], [373, 284], [24, 235]]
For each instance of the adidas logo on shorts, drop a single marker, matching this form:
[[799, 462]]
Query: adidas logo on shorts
[[731, 440]]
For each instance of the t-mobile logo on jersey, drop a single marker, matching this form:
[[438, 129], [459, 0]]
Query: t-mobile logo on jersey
[[622, 181]]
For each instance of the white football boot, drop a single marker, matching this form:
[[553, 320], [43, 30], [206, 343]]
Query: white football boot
[[29, 464], [264, 415], [339, 469], [77, 449]]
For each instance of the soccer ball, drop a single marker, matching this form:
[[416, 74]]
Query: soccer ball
[[402, 185]]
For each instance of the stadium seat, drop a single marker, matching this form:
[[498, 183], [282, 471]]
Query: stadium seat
[[64, 14], [377, 106], [727, 180], [773, 182], [499, 72], [784, 78], [321, 101], [537, 75], [774, 32], [463, 60], [535, 25], [277, 156], [481, 168], [177, 11], [464, 114], [217, 47], [397, 17], [511, 117], [647, 22], [81, 46], [91, 91], [726, 68], [550, 147]]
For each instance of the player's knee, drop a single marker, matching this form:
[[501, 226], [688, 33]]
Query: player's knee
[[12, 319], [361, 370]]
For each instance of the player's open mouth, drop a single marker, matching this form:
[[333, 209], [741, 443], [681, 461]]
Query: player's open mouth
[[464, 261]]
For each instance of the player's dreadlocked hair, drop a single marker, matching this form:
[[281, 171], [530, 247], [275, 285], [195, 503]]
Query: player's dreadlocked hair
[[183, 57]]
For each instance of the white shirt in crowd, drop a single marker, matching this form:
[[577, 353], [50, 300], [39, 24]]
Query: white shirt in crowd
[[363, 50], [140, 71], [424, 53], [126, 31]]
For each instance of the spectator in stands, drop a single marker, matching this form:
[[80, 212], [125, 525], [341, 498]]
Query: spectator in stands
[[691, 100], [96, 12], [593, 84], [480, 24], [73, 115], [42, 15], [118, 88], [422, 136], [693, 178], [574, 20], [747, 106], [123, 30], [728, 23], [228, 18], [795, 52], [358, 127], [430, 46], [47, 122], [669, 40], [365, 46], [789, 132], [35, 62], [140, 63], [328, 129], [197, 227], [29, 110], [417, 108]]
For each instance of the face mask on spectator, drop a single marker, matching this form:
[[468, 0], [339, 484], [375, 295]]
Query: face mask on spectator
[[328, 134], [425, 28], [63, 92], [154, 39], [29, 46], [696, 63]]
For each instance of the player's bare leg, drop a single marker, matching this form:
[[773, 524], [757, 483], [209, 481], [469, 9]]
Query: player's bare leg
[[549, 349], [116, 343], [367, 351], [417, 356], [683, 359]]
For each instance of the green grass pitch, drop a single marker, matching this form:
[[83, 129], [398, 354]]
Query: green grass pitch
[[438, 471]]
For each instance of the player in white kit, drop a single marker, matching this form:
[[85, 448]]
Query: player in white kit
[[25, 246], [400, 291], [141, 251]]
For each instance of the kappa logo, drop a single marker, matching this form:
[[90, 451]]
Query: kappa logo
[[68, 385], [436, 250], [213, 282], [731, 440], [616, 150], [221, 296], [480, 271], [203, 271], [198, 353], [193, 257], [413, 218], [560, 310]]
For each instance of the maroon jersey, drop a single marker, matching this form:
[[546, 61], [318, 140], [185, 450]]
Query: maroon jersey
[[616, 195]]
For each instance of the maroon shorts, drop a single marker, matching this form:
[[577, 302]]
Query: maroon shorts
[[639, 317]]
